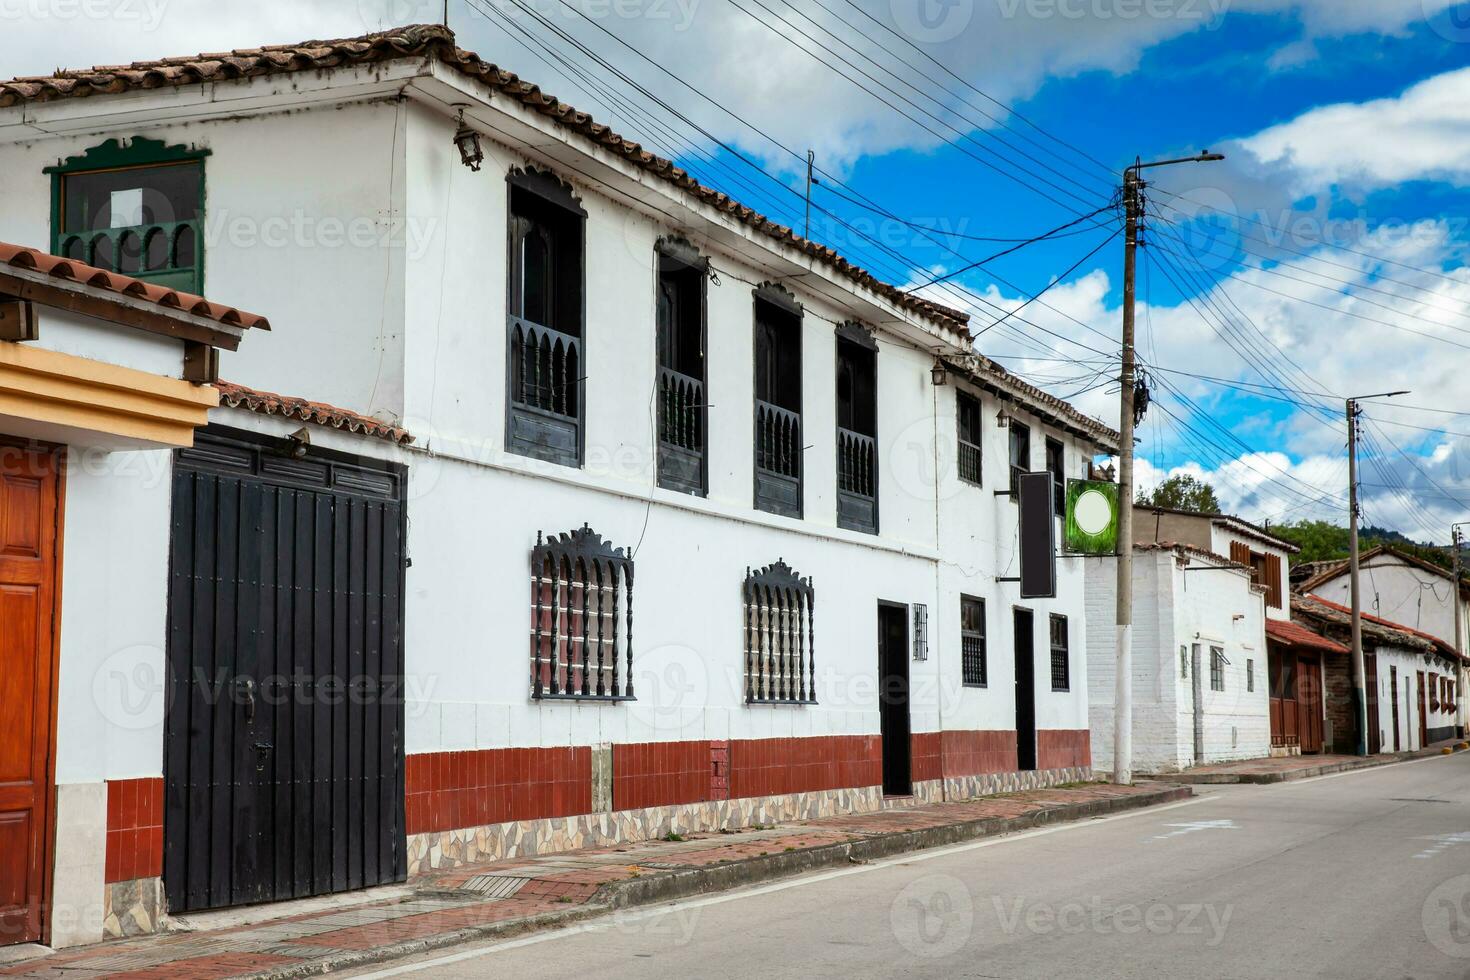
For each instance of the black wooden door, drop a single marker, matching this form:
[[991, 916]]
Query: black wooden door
[[284, 732], [1025, 691], [893, 698]]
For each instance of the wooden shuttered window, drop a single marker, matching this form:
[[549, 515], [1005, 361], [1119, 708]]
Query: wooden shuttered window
[[1265, 570]]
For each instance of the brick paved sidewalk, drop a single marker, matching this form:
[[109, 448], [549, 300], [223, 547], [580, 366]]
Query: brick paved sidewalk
[[519, 894], [1296, 767]]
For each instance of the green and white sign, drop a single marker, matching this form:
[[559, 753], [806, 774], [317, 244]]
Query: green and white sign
[[1092, 518]]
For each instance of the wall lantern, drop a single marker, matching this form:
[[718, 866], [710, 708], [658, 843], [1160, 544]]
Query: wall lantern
[[1002, 419], [938, 374], [468, 141]]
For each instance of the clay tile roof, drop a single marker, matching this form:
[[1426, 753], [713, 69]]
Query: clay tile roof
[[437, 41], [1297, 636], [73, 272], [232, 395], [1387, 629]]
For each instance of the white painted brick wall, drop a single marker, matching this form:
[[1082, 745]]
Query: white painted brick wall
[[1172, 607]]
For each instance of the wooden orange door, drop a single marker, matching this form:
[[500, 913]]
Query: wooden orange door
[[28, 496], [1309, 704]]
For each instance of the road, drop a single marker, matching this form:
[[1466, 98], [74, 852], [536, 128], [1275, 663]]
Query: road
[[1365, 874]]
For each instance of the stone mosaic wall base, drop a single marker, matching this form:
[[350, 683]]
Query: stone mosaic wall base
[[132, 908], [493, 842], [959, 788]]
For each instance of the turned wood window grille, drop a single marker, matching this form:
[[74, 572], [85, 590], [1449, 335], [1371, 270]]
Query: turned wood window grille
[[545, 319], [967, 421], [778, 431], [581, 619], [682, 425], [779, 637], [1020, 456], [857, 429], [133, 206], [1056, 464], [973, 668], [1061, 663]]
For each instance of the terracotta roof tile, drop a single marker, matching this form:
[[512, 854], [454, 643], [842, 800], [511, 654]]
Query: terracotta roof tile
[[437, 41], [1326, 609], [319, 413], [1294, 634], [69, 270]]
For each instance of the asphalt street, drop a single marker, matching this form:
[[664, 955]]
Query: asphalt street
[[1365, 874]]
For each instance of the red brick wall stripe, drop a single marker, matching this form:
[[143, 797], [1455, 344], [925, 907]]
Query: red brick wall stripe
[[1060, 749], [775, 766], [134, 829], [446, 790], [660, 774]]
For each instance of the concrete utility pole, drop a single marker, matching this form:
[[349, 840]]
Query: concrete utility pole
[[1133, 205], [1460, 707], [1360, 685]]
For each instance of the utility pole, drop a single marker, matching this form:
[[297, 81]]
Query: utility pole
[[1360, 685], [1133, 205], [1460, 715]]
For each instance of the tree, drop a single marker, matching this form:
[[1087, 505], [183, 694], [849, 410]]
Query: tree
[[1182, 492]]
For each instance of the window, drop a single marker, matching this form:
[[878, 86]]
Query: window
[[972, 642], [1250, 675], [1217, 669], [779, 643], [545, 318], [1056, 464], [581, 619], [1020, 455], [857, 429], [1184, 662], [967, 422], [1265, 570], [133, 208], [681, 367], [778, 445], [1061, 668]]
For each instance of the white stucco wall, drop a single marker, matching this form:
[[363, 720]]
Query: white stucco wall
[[1206, 606]]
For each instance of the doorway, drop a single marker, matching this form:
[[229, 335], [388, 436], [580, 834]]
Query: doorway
[[1025, 690], [29, 492], [1375, 734], [1423, 715], [893, 698], [1309, 704], [1393, 690], [283, 745]]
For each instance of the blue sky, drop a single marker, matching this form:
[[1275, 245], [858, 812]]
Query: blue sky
[[1346, 124]]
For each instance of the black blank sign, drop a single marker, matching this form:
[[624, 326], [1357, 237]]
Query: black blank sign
[[1038, 536]]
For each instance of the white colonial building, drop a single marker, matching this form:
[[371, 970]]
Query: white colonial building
[[567, 500], [1200, 692]]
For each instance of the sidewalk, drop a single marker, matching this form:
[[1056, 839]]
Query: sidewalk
[[450, 907], [1296, 767]]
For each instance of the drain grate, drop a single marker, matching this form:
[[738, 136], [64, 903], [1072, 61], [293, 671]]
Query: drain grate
[[495, 886]]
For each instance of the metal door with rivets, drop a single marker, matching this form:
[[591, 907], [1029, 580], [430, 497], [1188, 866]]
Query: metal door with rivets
[[283, 760]]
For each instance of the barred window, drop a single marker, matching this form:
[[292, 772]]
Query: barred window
[[779, 637], [972, 642], [967, 421], [1056, 464], [1250, 675], [1184, 662], [1061, 667], [581, 619], [1217, 669], [1020, 456]]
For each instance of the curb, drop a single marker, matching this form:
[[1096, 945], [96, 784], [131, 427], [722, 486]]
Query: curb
[[1327, 769], [723, 877]]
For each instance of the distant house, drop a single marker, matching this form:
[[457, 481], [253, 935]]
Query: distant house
[[1406, 589], [1411, 679], [1200, 615], [1228, 536]]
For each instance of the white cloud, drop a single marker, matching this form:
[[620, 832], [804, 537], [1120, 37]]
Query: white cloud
[[1423, 133]]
